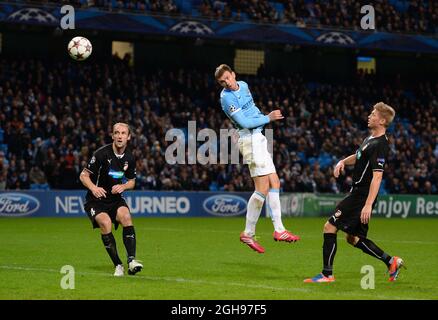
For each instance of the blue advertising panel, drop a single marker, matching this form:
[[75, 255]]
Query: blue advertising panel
[[141, 203], [197, 27]]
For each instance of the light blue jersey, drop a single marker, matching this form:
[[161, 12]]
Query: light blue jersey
[[240, 108]]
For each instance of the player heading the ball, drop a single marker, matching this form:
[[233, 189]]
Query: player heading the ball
[[239, 106]]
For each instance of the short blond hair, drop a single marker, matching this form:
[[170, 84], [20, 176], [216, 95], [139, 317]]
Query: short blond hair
[[386, 112], [221, 70], [122, 124]]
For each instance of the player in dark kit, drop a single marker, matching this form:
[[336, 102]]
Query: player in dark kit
[[353, 213], [111, 171]]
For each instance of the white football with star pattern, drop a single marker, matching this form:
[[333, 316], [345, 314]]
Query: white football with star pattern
[[79, 48]]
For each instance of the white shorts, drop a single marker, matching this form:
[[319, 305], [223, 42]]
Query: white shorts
[[254, 150]]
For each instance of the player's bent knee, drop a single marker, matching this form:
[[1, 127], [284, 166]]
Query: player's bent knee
[[274, 181], [262, 184], [274, 185], [351, 239], [262, 187], [263, 191], [329, 228], [104, 222], [126, 221], [124, 217]]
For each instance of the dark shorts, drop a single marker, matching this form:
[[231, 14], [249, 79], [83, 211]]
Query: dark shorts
[[94, 207], [347, 215]]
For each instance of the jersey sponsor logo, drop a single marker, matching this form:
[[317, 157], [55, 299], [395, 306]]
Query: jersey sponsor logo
[[116, 174], [248, 104], [17, 204], [225, 205]]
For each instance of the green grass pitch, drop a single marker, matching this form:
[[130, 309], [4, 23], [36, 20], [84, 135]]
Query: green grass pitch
[[202, 258]]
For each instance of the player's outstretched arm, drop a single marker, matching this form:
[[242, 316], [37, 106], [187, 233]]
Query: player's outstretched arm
[[86, 181], [249, 123], [257, 121], [231, 107], [350, 160], [275, 115]]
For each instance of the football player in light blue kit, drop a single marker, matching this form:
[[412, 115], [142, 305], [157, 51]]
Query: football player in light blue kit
[[239, 106]]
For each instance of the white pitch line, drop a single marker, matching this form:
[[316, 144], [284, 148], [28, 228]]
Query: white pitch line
[[213, 283], [270, 234]]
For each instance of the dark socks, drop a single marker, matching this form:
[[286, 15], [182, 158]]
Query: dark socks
[[329, 250], [129, 241], [370, 248], [110, 245]]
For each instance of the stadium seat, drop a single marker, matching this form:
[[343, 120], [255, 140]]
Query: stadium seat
[[311, 161], [184, 6], [302, 156], [244, 16], [333, 122], [325, 160], [39, 186], [279, 7], [194, 12], [382, 189], [213, 186], [4, 148], [400, 5]]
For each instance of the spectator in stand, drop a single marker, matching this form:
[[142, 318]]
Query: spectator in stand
[[37, 176]]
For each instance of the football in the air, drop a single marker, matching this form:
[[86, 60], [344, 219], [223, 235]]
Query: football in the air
[[79, 48]]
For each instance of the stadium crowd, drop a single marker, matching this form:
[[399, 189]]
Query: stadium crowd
[[54, 115], [153, 6], [392, 16], [407, 16]]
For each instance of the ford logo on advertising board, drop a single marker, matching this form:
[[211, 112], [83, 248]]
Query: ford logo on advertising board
[[17, 204], [225, 205]]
